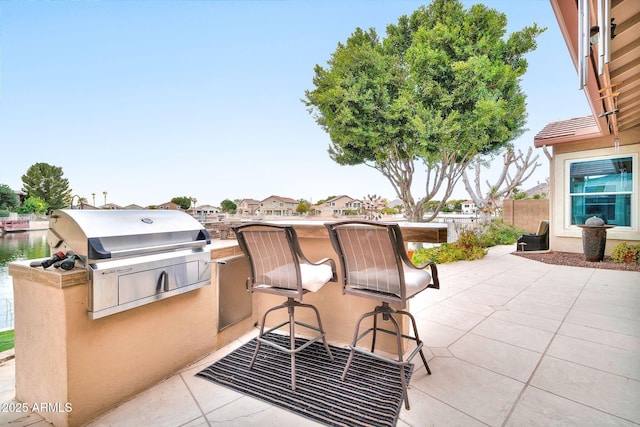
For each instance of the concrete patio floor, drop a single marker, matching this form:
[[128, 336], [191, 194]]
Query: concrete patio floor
[[511, 342]]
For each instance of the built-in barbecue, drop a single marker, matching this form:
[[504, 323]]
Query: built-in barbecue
[[133, 257]]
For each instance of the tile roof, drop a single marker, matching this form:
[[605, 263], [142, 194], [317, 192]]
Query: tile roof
[[567, 129]]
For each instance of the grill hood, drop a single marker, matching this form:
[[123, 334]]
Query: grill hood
[[100, 235]]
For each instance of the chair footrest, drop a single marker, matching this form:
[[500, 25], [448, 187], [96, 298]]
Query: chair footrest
[[381, 357], [386, 331]]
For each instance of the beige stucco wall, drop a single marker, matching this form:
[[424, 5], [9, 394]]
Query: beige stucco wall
[[526, 213], [62, 356], [566, 237]]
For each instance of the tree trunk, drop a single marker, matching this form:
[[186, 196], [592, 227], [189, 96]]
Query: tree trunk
[[414, 213]]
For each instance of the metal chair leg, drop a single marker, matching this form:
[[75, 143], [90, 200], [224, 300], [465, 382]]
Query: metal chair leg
[[354, 342], [417, 338], [264, 318], [375, 332], [386, 311], [291, 305], [322, 331], [401, 363], [292, 345]]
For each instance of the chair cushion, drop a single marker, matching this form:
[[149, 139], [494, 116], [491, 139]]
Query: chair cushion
[[386, 280], [416, 280], [543, 228], [315, 276]]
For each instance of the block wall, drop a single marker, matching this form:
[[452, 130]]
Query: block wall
[[526, 213]]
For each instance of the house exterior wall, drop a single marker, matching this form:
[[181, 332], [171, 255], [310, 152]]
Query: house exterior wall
[[278, 206], [469, 207], [248, 207], [339, 206], [526, 213], [168, 206], [566, 237]]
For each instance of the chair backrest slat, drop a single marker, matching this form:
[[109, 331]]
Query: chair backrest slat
[[272, 256], [370, 259]]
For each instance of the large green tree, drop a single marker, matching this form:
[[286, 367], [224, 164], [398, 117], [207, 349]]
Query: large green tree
[[228, 206], [8, 198], [47, 182], [441, 88]]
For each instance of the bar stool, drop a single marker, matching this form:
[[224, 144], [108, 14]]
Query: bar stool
[[375, 265], [279, 267]]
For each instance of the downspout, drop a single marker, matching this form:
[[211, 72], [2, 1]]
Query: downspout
[[551, 198]]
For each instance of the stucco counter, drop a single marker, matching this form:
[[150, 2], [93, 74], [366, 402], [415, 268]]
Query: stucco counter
[[86, 367]]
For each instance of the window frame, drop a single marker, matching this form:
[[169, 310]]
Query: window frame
[[634, 226]]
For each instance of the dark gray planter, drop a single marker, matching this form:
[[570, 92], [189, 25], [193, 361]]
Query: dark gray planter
[[594, 239]]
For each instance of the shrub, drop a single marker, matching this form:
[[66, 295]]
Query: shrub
[[471, 244], [4, 213], [500, 233], [448, 252], [6, 340], [626, 253], [468, 247]]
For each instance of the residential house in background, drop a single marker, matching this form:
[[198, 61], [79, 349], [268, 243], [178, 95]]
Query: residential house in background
[[468, 207], [168, 206], [594, 159], [338, 206], [278, 206], [111, 206], [247, 207], [540, 191], [133, 207], [205, 212]]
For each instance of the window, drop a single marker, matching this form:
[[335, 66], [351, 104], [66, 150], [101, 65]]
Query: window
[[602, 188]]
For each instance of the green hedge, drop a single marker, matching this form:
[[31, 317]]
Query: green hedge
[[471, 244], [6, 340]]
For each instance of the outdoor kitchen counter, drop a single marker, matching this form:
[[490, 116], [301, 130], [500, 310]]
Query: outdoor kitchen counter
[[421, 232], [64, 357]]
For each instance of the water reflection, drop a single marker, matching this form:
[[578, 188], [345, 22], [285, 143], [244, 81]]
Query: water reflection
[[16, 247]]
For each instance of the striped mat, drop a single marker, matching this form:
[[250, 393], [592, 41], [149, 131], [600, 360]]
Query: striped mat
[[371, 394]]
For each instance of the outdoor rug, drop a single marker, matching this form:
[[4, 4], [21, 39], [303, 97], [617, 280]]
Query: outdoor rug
[[371, 394]]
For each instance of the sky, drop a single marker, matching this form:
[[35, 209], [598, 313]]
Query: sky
[[151, 100]]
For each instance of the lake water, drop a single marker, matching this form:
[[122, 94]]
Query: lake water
[[16, 247]]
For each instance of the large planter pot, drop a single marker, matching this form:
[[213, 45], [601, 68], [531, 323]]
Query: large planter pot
[[594, 239]]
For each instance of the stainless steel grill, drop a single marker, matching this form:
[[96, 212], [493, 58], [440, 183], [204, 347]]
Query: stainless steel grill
[[133, 257]]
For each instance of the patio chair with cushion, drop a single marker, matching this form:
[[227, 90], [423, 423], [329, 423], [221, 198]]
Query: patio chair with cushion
[[375, 265], [538, 241], [278, 266]]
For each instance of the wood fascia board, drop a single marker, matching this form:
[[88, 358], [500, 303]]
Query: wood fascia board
[[566, 12]]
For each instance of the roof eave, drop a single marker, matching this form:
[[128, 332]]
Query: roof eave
[[589, 133]]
